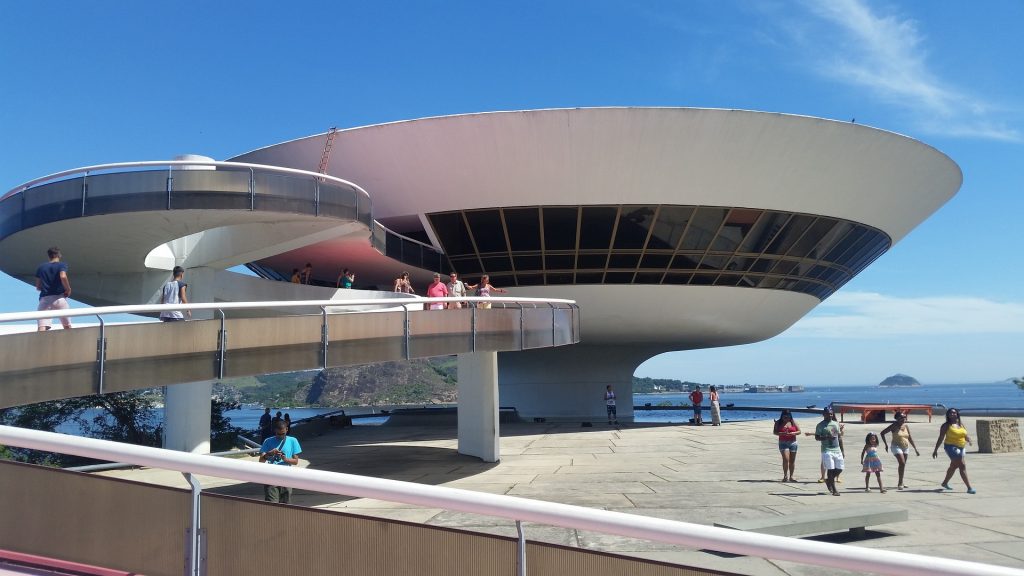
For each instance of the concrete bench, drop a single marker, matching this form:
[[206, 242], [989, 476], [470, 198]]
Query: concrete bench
[[820, 522]]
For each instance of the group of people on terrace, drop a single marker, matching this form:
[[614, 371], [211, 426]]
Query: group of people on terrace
[[952, 436], [454, 288]]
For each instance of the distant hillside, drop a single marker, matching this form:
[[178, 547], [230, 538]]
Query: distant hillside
[[899, 380], [414, 382]]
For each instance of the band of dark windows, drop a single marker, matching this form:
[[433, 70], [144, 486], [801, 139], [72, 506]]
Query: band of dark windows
[[657, 244]]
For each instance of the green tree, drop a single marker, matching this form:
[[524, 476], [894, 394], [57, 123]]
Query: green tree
[[1019, 382]]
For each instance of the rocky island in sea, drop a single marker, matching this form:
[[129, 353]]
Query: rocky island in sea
[[899, 381]]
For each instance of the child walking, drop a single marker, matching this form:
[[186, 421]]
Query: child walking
[[872, 463]]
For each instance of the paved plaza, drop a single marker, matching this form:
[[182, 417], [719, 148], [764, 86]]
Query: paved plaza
[[694, 474]]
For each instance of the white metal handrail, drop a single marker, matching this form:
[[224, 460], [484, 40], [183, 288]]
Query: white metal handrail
[[85, 170], [396, 302], [694, 536]]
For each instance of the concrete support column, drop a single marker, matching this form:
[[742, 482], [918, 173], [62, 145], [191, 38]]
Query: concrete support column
[[568, 383], [478, 406], [187, 406], [187, 417]]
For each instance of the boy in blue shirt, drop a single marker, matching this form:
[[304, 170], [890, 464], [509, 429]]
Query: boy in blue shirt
[[283, 450]]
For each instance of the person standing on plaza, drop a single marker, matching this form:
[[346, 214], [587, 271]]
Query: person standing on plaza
[[174, 292], [282, 450], [54, 288], [716, 407], [828, 433], [953, 436], [697, 398], [437, 289], [266, 421], [871, 463], [787, 431], [456, 289], [609, 403], [901, 443]]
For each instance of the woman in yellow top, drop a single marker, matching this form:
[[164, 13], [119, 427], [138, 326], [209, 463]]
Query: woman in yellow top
[[953, 436], [902, 441]]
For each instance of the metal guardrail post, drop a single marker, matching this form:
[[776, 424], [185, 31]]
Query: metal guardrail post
[[408, 351], [101, 355], [222, 346], [316, 198], [473, 326], [195, 536], [323, 336], [170, 185], [85, 189], [252, 190], [522, 332], [552, 306], [521, 549]]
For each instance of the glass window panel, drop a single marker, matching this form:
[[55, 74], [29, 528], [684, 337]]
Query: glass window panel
[[836, 233], [494, 264], [790, 233], [770, 282], [487, 229], [591, 261], [648, 278], [655, 260], [740, 264], [466, 266], [803, 247], [523, 226], [685, 261], [737, 224], [452, 233], [837, 251], [561, 278], [560, 228], [411, 253], [634, 224], [703, 227], [728, 279], [559, 261], [589, 277], [669, 227], [530, 279], [618, 278], [596, 227], [784, 267], [714, 261], [762, 233], [762, 265], [703, 279], [623, 260], [528, 262], [677, 278]]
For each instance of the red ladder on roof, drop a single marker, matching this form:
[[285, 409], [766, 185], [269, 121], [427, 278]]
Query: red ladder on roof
[[326, 156]]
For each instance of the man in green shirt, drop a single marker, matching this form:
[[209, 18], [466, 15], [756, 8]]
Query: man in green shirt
[[828, 433]]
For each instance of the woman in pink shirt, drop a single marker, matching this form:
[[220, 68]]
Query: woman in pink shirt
[[787, 431]]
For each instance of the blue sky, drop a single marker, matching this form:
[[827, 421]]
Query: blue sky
[[88, 83]]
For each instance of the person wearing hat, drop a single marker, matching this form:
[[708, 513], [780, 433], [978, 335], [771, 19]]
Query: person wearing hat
[[902, 441], [437, 289], [828, 433]]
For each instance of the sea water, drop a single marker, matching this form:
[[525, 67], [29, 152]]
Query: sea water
[[998, 396], [1003, 395]]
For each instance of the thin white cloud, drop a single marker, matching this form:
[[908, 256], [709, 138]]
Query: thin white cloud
[[887, 56], [860, 315]]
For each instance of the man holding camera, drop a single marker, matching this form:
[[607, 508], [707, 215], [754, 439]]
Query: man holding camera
[[283, 450]]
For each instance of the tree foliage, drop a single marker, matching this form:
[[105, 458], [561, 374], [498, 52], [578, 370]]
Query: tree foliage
[[130, 417]]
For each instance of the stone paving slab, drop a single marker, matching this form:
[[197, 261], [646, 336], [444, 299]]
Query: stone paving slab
[[688, 473]]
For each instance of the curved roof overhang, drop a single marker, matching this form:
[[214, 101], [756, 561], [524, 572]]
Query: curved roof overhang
[[654, 155]]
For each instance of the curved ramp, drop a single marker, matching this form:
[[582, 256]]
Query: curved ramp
[[41, 366]]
